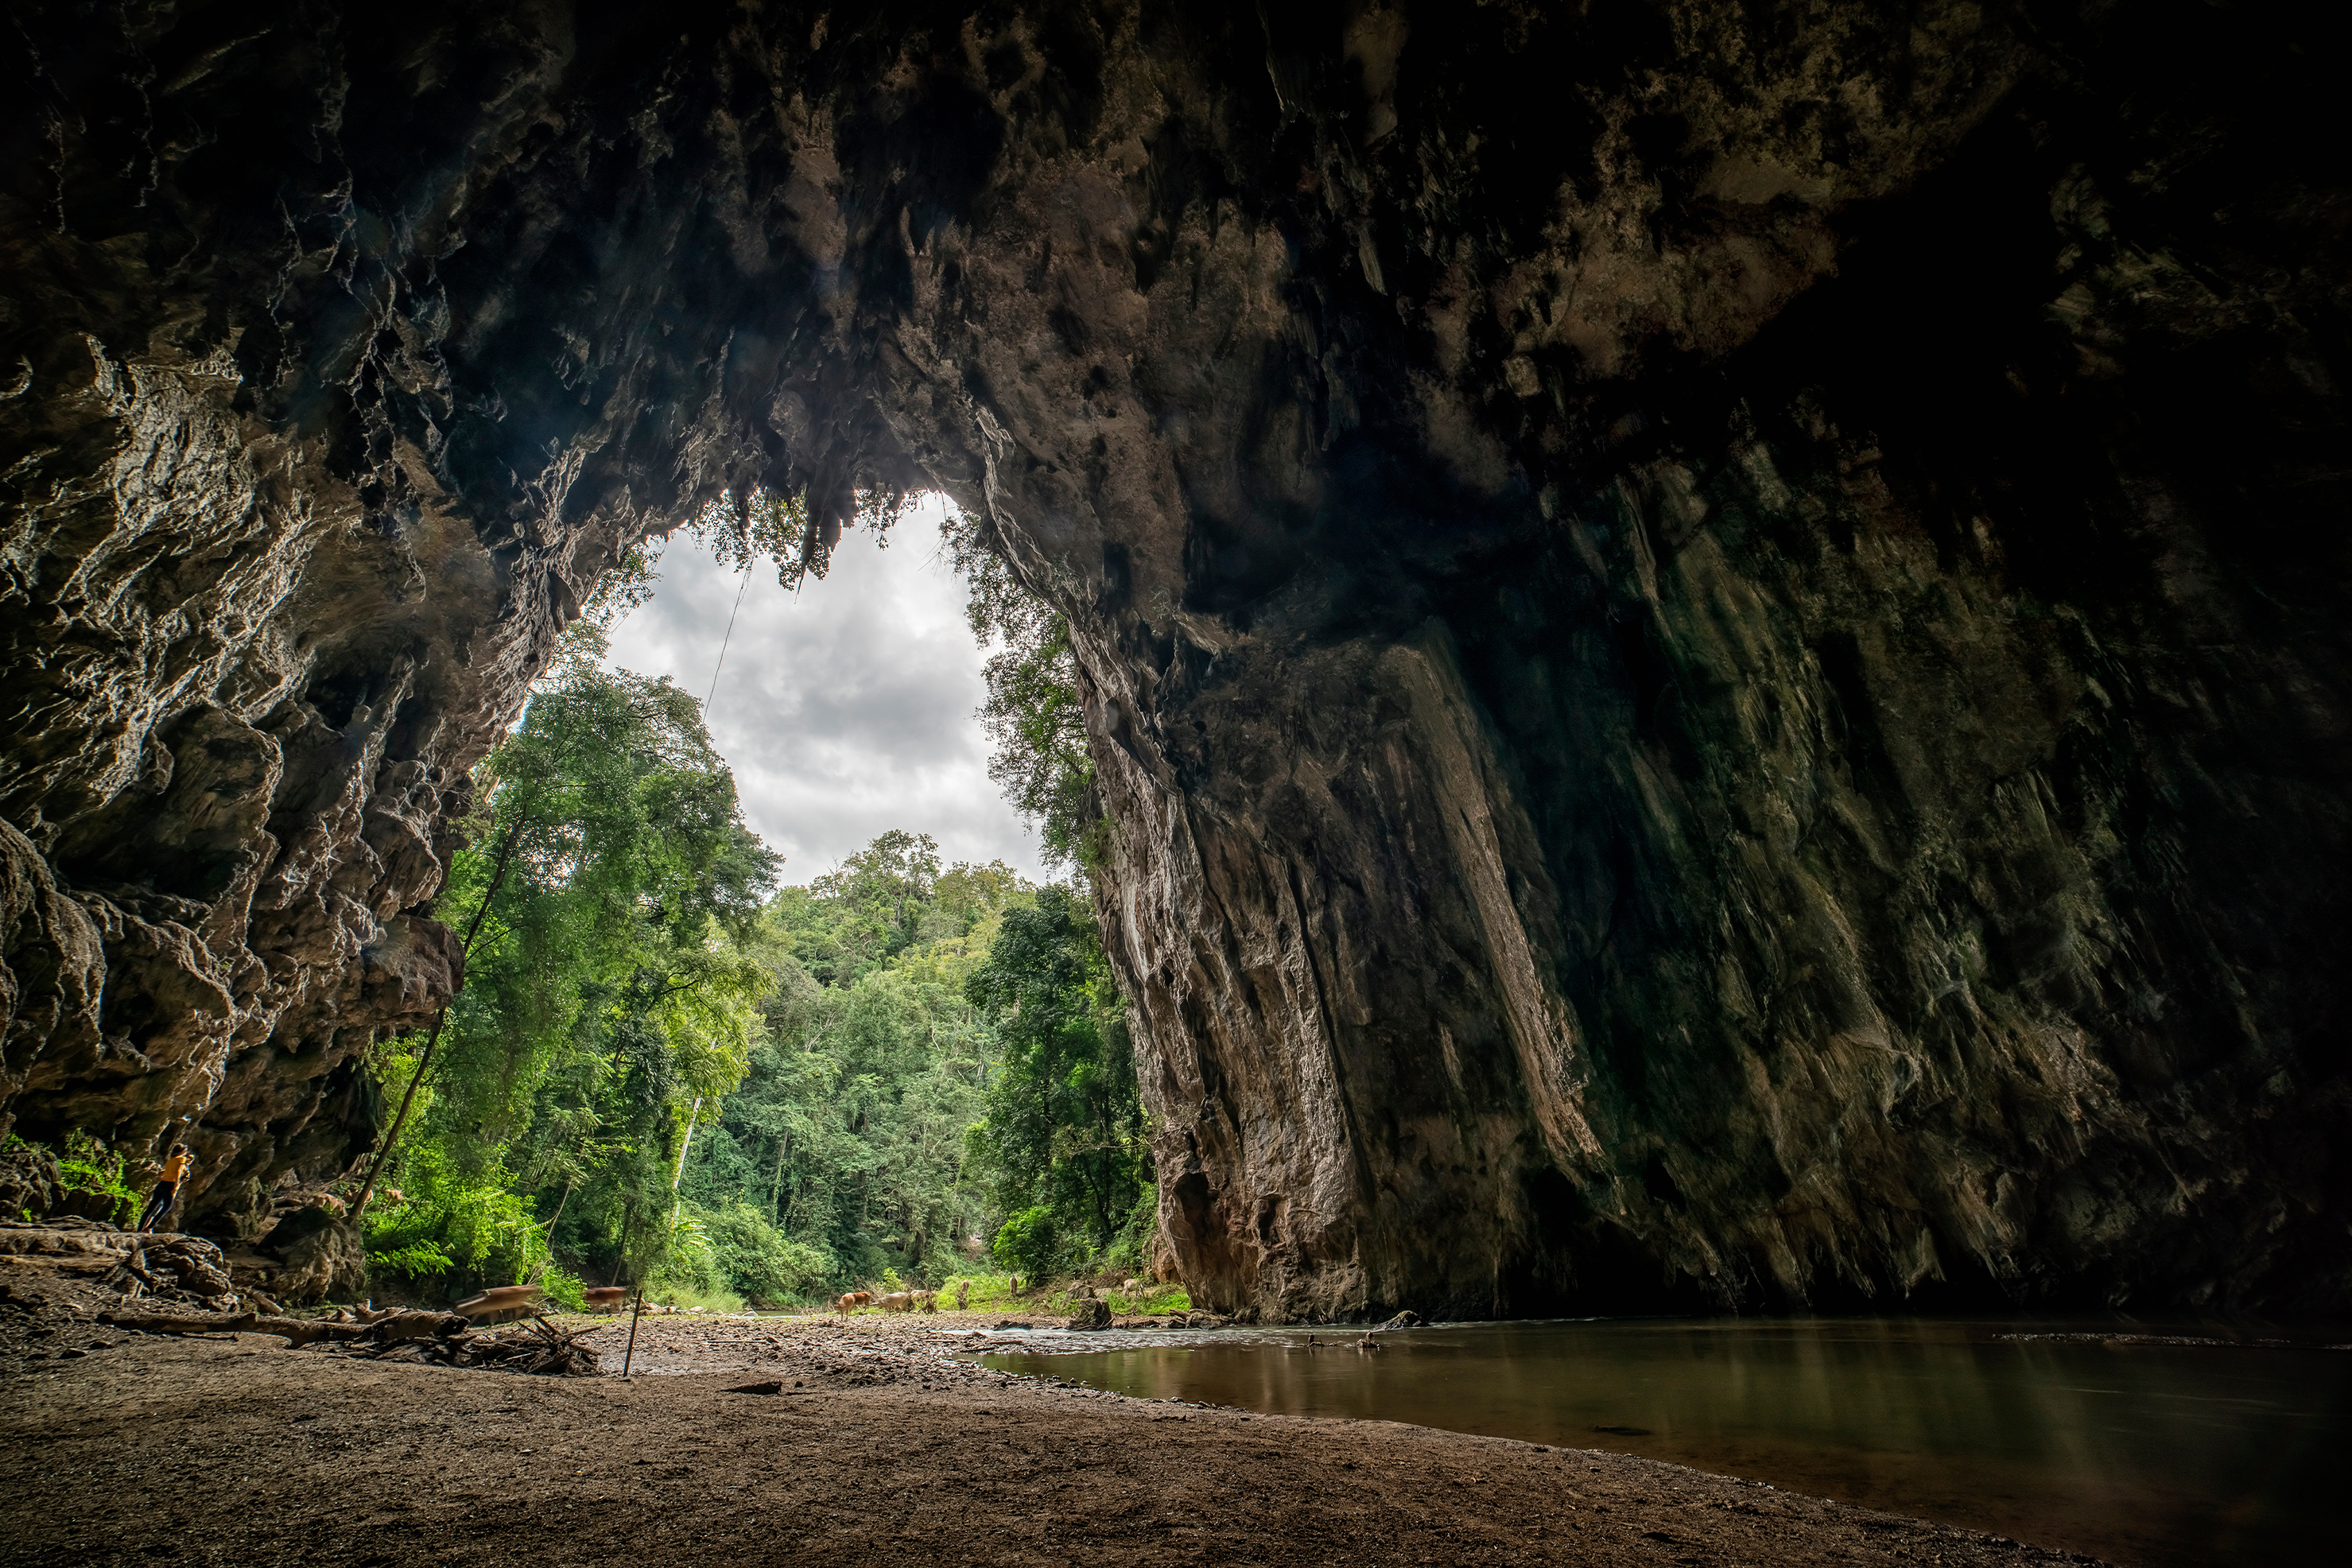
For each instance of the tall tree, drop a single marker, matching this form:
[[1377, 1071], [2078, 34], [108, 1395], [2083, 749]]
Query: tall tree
[[847, 1136], [1065, 1136], [610, 883]]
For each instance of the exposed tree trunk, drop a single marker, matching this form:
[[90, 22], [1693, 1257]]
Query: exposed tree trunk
[[776, 1186], [684, 1144], [556, 1219]]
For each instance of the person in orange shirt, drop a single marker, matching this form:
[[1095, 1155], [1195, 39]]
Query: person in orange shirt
[[175, 1170]]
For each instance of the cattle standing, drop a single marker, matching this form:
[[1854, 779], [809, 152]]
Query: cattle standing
[[500, 1304]]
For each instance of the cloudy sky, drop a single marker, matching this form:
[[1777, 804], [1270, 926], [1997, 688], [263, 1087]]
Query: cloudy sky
[[846, 710]]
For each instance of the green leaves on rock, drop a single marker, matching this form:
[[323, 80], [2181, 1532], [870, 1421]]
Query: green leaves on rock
[[1035, 711]]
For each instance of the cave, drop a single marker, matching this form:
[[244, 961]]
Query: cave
[[1714, 639]]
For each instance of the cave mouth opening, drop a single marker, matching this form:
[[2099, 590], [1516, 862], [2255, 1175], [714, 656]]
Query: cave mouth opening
[[847, 706]]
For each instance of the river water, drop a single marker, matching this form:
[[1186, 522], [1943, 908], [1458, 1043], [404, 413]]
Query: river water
[[2149, 1456]]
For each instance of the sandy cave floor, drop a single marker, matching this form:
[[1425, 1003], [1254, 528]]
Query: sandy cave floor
[[881, 1447]]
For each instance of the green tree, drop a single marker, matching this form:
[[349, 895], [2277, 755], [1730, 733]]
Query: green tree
[[867, 910], [1035, 710], [1063, 1138], [609, 887], [764, 1097], [847, 1137]]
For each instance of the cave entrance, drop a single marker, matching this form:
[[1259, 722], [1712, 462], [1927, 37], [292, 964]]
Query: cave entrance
[[847, 706]]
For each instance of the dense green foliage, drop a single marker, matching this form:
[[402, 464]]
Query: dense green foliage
[[1063, 1139], [607, 987], [1034, 714], [847, 1135], [661, 1066]]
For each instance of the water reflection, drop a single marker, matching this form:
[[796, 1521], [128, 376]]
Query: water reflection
[[2144, 1455]]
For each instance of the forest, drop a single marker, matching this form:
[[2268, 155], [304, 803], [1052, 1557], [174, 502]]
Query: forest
[[666, 1068]]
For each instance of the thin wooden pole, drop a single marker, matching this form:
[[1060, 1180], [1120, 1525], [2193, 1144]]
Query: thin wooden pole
[[553, 1220], [631, 1353], [384, 1149]]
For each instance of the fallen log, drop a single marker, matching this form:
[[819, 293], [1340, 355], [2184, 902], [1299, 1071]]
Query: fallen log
[[542, 1351], [427, 1338], [176, 1323], [408, 1325], [296, 1331]]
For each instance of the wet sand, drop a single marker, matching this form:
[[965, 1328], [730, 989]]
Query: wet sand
[[881, 1445]]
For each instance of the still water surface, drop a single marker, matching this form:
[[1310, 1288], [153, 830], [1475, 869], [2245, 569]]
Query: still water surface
[[2150, 1457]]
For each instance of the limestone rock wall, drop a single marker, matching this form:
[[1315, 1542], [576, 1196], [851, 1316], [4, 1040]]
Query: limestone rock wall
[[1714, 640]]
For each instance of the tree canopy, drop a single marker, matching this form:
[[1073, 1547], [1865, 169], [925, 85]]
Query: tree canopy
[[755, 1091], [1064, 1140], [611, 884]]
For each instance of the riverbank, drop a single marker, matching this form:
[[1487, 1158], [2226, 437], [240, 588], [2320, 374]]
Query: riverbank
[[879, 1444]]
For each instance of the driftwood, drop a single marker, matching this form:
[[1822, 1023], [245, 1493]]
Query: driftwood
[[417, 1326], [432, 1338], [295, 1331], [181, 1323], [365, 1312], [300, 1331], [445, 1339]]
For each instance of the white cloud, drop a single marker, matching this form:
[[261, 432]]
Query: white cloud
[[844, 709]]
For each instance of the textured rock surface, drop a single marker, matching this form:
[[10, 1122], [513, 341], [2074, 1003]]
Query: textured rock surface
[[1715, 641]]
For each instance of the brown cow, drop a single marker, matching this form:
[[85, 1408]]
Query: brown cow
[[601, 1297], [898, 1301], [854, 1300], [500, 1304]]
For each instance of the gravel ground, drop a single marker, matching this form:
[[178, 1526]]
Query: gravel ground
[[878, 1444]]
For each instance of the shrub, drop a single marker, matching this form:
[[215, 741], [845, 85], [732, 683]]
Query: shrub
[[1130, 1250], [418, 1260], [92, 1169], [981, 1291], [463, 1229], [759, 1262], [668, 1292], [1152, 1301], [564, 1291], [1028, 1243]]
